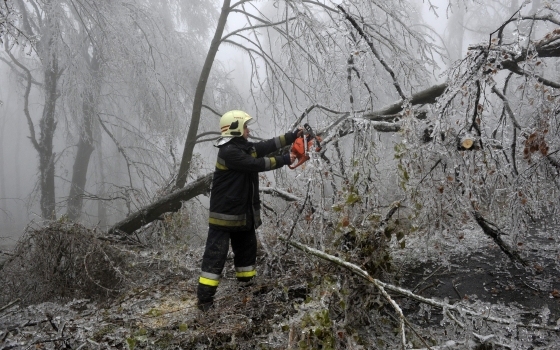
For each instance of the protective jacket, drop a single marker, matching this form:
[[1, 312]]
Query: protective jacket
[[234, 201]]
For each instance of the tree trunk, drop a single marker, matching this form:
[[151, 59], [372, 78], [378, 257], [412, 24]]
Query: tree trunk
[[199, 96], [3, 203], [169, 203], [85, 146], [101, 206], [48, 127]]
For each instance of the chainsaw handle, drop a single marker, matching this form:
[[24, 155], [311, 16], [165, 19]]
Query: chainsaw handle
[[301, 160]]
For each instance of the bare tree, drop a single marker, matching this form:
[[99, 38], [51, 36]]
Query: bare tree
[[138, 101]]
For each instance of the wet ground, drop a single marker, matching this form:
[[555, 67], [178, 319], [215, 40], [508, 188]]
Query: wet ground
[[491, 277], [478, 272]]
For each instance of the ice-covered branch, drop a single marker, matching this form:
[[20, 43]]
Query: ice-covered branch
[[460, 309], [281, 193], [428, 95], [374, 51]]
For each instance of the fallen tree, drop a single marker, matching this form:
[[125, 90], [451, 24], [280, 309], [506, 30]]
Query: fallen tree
[[166, 204]]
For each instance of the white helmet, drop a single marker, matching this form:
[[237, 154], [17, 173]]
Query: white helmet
[[231, 125]]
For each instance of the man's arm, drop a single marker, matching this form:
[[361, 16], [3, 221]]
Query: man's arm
[[233, 158], [266, 147]]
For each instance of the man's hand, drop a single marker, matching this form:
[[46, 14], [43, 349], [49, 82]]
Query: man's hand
[[292, 158]]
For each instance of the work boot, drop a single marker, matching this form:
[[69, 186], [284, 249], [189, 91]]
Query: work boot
[[204, 305]]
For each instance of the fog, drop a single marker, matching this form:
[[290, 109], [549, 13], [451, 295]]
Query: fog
[[428, 217], [19, 161]]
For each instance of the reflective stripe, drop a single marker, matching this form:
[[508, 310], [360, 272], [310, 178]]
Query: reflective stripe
[[208, 282], [209, 275], [227, 220], [267, 163], [221, 164], [272, 163], [245, 268], [209, 279], [246, 273], [280, 141], [229, 223], [227, 216]]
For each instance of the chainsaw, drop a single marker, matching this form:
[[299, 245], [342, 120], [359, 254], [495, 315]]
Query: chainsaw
[[302, 145]]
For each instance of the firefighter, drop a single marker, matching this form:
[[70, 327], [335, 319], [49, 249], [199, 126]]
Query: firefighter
[[235, 203]]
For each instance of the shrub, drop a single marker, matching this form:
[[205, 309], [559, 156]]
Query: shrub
[[61, 260]]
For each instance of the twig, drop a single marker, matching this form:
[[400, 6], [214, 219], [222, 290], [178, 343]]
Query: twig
[[429, 172], [507, 107], [474, 123], [495, 234], [456, 290], [433, 302], [374, 51], [281, 193], [530, 287], [514, 68], [357, 270], [393, 208], [10, 304], [452, 317], [299, 214], [119, 148], [32, 135]]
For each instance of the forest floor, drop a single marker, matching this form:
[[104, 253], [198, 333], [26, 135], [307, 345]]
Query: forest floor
[[478, 271], [160, 312]]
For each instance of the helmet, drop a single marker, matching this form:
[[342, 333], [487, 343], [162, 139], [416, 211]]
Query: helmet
[[231, 123]]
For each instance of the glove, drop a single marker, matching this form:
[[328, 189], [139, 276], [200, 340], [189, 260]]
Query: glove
[[294, 135], [287, 159]]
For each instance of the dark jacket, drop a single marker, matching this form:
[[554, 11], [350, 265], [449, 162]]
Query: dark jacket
[[234, 199]]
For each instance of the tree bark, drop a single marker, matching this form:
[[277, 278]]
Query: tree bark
[[44, 146], [199, 96], [3, 203], [166, 204], [85, 146], [429, 95], [101, 206], [48, 127], [495, 234]]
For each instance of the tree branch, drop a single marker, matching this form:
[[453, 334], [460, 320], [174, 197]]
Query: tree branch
[[121, 150], [507, 106], [30, 124], [407, 293], [495, 234], [281, 193], [428, 95], [374, 51], [169, 203], [514, 67]]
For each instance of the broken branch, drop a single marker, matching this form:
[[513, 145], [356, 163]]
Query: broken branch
[[405, 292]]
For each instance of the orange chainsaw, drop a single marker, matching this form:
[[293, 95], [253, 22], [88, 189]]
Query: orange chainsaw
[[302, 145]]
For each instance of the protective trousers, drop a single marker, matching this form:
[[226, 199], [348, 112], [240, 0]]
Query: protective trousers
[[244, 246]]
